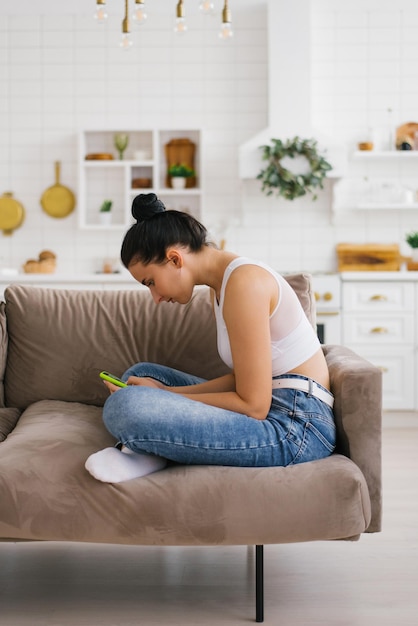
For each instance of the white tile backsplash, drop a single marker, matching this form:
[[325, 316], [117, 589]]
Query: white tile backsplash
[[63, 73]]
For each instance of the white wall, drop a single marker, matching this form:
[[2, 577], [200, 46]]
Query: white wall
[[60, 73], [364, 60]]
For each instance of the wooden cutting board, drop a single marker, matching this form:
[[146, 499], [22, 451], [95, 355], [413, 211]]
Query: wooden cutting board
[[368, 257]]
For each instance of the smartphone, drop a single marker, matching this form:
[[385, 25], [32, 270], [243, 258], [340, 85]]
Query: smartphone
[[112, 379]]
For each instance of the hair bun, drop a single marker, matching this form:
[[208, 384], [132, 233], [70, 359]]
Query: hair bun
[[145, 206]]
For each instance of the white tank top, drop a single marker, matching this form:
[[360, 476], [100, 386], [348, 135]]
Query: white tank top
[[293, 339]]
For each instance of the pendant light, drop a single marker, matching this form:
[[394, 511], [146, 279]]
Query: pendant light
[[126, 41], [207, 7], [226, 31], [180, 26], [139, 15], [100, 14]]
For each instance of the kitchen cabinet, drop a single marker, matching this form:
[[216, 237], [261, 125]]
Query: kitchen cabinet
[[380, 323], [383, 180], [104, 178]]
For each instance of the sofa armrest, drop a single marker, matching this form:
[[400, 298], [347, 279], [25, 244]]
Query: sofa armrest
[[357, 388]]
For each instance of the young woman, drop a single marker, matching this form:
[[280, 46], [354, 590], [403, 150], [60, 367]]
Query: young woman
[[274, 408]]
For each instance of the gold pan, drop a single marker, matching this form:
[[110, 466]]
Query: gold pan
[[12, 213], [57, 200]]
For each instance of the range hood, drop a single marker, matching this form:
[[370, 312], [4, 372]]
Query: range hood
[[289, 82]]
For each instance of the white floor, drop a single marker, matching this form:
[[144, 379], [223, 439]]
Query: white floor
[[373, 582]]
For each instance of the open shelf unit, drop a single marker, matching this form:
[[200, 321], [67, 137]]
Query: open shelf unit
[[379, 190], [385, 154], [103, 179]]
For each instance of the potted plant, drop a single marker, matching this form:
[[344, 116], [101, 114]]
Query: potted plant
[[105, 212], [178, 173], [412, 239]]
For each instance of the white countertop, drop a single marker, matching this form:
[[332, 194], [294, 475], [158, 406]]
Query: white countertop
[[126, 278], [402, 275], [117, 278]]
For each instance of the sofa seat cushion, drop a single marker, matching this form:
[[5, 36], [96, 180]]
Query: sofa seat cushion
[[8, 420], [46, 493]]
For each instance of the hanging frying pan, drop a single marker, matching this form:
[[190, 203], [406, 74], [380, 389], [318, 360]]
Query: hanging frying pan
[[12, 213], [58, 201]]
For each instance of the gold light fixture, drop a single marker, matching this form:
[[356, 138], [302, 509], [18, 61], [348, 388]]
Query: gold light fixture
[[100, 14], [226, 31], [180, 26], [139, 15], [126, 41], [207, 7]]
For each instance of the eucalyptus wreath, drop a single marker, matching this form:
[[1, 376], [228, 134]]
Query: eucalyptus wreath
[[287, 184]]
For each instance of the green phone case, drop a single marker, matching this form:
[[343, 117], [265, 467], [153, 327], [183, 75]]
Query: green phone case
[[112, 379]]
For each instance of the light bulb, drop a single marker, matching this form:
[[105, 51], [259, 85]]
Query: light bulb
[[100, 14], [139, 16], [207, 6], [180, 26], [226, 31], [126, 41]]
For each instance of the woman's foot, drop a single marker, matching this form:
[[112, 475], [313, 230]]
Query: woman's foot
[[115, 466]]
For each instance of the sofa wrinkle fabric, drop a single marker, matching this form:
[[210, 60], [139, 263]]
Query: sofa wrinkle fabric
[[119, 328], [46, 494], [8, 420], [3, 350], [54, 344]]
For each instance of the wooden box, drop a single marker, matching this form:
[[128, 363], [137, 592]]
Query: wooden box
[[369, 257]]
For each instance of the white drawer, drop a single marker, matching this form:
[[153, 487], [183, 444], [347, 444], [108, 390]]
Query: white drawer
[[378, 296], [397, 375], [379, 329]]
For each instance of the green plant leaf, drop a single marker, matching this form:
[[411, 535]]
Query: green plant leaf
[[284, 182]]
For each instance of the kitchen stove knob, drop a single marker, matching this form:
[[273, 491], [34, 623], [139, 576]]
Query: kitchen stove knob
[[328, 296]]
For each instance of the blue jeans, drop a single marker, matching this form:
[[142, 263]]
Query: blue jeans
[[298, 427]]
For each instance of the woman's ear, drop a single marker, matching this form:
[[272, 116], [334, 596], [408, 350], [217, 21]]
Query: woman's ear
[[175, 257]]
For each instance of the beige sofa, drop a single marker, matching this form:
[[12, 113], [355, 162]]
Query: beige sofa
[[53, 343]]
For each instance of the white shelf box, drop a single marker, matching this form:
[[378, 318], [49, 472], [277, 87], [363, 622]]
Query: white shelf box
[[104, 183], [385, 154], [103, 141], [114, 179], [164, 136]]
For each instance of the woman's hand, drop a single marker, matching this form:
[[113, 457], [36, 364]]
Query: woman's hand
[[145, 382], [111, 387], [135, 380]]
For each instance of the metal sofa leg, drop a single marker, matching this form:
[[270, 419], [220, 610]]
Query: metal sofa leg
[[259, 583]]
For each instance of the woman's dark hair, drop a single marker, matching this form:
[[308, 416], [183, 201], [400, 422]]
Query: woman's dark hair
[[157, 229]]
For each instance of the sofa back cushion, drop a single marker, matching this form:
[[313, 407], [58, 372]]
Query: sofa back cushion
[[59, 340]]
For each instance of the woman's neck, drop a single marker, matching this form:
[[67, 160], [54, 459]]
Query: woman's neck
[[211, 268]]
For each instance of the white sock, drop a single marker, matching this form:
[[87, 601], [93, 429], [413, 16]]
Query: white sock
[[115, 466]]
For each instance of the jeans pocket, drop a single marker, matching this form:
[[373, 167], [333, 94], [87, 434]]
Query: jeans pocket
[[327, 438], [315, 444]]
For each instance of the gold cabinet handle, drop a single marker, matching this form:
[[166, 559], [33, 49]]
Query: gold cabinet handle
[[379, 330], [383, 369], [379, 298]]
